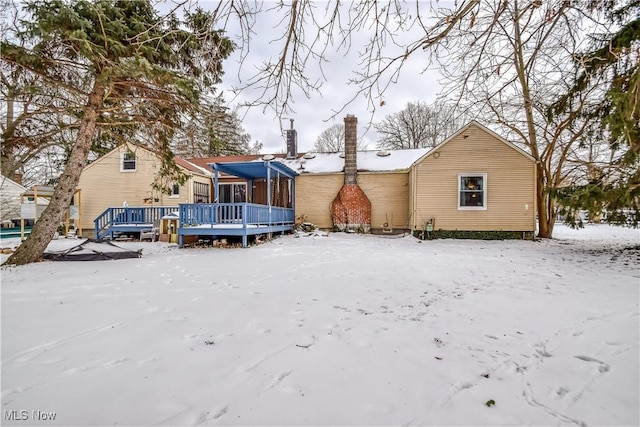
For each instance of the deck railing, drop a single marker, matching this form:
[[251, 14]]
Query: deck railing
[[233, 213], [195, 214], [129, 215]]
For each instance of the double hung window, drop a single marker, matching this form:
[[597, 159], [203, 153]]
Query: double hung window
[[128, 163], [175, 191], [472, 191]]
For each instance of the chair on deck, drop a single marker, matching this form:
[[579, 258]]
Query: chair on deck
[[152, 234]]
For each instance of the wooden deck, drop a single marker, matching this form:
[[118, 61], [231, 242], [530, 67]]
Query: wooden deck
[[217, 219], [129, 220], [199, 219], [232, 219]]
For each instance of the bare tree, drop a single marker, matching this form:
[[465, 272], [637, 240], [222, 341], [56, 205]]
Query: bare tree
[[37, 126], [506, 62], [419, 125], [331, 140], [503, 62]]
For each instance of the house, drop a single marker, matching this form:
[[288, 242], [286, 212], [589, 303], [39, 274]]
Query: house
[[125, 177], [473, 184], [10, 192], [382, 175], [474, 181], [223, 196]]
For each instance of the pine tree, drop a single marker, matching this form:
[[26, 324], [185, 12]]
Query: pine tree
[[614, 58], [131, 70]]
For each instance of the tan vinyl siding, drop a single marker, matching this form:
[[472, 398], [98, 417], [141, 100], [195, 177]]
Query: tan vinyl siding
[[104, 185], [387, 192], [389, 197], [510, 185], [314, 194]]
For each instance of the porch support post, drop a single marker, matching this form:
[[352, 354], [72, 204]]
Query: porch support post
[[245, 210], [292, 195], [215, 185], [269, 189]]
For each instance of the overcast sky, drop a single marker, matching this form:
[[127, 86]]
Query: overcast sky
[[313, 115]]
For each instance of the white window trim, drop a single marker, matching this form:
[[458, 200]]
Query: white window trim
[[174, 195], [484, 191], [122, 169]]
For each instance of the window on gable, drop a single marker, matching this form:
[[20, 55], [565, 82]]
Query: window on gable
[[175, 190], [128, 161], [472, 191]]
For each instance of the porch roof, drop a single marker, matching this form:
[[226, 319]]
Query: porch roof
[[253, 170]]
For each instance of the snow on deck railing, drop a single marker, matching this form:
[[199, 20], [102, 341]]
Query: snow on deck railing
[[233, 213]]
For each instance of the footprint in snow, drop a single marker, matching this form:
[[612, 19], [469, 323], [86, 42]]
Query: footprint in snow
[[209, 416], [603, 367], [277, 379]]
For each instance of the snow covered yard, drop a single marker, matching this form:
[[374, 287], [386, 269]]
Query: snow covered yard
[[337, 330]]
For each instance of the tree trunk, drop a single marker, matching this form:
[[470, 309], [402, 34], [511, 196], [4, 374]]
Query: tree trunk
[[545, 229], [6, 158], [31, 250], [542, 202]]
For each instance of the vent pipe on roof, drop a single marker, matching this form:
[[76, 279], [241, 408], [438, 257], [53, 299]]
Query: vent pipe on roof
[[292, 142]]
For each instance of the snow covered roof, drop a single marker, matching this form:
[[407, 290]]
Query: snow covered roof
[[5, 183], [192, 167], [367, 161]]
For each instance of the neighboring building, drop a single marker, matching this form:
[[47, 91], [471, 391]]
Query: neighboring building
[[475, 181], [10, 192], [126, 175]]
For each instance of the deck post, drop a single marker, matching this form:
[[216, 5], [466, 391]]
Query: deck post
[[268, 164], [180, 240], [292, 196], [215, 185]]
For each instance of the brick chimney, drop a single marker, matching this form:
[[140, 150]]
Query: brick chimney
[[351, 209]]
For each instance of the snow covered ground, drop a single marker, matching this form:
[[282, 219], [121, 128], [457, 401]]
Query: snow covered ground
[[337, 330]]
